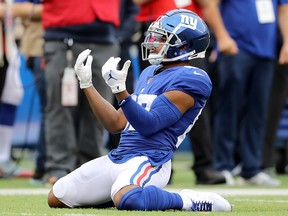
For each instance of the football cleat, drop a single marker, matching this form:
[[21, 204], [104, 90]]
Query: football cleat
[[204, 201]]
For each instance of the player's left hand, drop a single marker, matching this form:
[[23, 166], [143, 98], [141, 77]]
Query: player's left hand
[[115, 78]]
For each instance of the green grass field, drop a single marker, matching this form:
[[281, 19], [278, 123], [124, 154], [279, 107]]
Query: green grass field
[[246, 201]]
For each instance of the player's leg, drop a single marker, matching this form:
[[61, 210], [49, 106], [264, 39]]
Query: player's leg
[[154, 198], [133, 176], [89, 185], [143, 191], [54, 202]]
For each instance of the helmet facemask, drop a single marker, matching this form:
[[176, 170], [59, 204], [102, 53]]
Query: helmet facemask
[[155, 38]]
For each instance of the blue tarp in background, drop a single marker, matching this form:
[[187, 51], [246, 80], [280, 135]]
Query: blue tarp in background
[[26, 128]]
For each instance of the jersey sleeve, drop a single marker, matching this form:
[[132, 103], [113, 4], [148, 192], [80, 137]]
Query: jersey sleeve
[[192, 81]]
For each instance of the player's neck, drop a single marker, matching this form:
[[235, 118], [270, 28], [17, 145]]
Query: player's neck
[[167, 65]]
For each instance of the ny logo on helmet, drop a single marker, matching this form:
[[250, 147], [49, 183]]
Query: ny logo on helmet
[[188, 20]]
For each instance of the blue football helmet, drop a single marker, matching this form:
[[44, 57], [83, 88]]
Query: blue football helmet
[[183, 34]]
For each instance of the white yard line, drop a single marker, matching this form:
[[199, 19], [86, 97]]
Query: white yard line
[[24, 191], [223, 192], [244, 191]]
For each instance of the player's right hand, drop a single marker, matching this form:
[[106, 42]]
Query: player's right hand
[[84, 72]]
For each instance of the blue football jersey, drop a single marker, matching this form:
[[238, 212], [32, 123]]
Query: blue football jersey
[[159, 147]]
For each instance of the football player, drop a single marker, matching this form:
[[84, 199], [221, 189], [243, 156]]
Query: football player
[[153, 122]]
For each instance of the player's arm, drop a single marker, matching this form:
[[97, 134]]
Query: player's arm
[[165, 111], [181, 100], [113, 120]]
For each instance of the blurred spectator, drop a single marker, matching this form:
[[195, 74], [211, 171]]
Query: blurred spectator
[[11, 92], [73, 135], [245, 71], [125, 32], [200, 135], [274, 156], [31, 45]]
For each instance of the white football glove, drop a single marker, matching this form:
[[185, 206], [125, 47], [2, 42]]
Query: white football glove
[[115, 78], [84, 72]]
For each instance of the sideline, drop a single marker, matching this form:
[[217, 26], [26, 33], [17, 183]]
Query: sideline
[[223, 192]]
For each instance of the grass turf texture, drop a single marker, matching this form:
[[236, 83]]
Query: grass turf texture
[[183, 177], [243, 206]]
